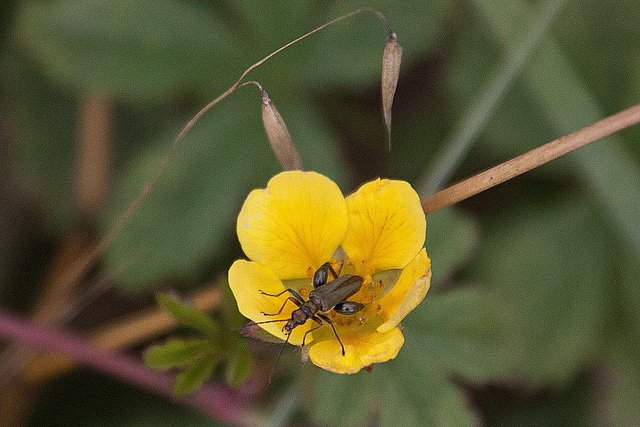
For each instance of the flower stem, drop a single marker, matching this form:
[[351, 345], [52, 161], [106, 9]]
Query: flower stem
[[120, 334], [217, 402], [531, 159]]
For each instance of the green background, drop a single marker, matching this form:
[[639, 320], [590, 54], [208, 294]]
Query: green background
[[534, 313]]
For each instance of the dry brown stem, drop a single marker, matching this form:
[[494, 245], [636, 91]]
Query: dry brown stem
[[93, 154], [531, 159]]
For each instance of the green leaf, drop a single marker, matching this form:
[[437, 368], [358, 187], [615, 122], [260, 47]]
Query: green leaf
[[192, 378], [238, 367], [464, 331], [417, 395], [189, 217], [175, 353], [622, 400], [188, 315], [476, 114], [451, 239], [549, 264], [272, 24], [606, 167], [620, 391], [350, 53], [344, 399], [316, 144], [629, 268], [134, 50], [44, 119], [405, 391]]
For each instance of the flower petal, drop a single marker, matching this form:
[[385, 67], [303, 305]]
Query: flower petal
[[408, 292], [294, 225], [386, 224], [360, 350], [246, 280]]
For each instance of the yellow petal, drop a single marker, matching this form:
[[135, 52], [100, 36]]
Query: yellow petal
[[360, 350], [294, 225], [246, 280], [408, 292], [386, 224]]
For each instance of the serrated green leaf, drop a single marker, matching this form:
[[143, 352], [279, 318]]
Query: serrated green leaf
[[451, 238], [134, 50], [188, 315], [550, 265], [192, 378], [175, 353], [238, 368], [190, 215]]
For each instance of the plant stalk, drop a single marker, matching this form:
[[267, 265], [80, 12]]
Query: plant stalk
[[217, 402], [531, 159]]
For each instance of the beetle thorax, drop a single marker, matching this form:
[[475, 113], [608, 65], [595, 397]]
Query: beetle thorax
[[301, 315]]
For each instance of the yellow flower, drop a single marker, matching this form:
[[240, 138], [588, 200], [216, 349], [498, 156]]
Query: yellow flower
[[301, 221]]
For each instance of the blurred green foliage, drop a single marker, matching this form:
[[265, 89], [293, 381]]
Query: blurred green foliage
[[536, 282]]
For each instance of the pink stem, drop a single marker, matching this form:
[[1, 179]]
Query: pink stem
[[217, 401]]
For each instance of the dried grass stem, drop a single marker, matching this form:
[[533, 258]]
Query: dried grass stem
[[531, 159]]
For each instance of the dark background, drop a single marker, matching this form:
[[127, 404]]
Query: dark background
[[534, 312]]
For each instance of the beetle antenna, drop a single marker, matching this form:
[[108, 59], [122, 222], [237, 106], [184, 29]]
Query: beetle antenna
[[270, 321], [273, 368], [251, 323]]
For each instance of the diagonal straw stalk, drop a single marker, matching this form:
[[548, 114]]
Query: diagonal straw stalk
[[531, 159]]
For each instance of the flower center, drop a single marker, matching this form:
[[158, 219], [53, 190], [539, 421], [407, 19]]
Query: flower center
[[366, 294]]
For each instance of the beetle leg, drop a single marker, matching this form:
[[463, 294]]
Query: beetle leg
[[292, 299], [273, 295], [322, 316], [329, 267], [291, 291], [312, 329], [339, 269]]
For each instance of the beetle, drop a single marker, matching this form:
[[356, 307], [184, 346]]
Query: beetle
[[325, 296]]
